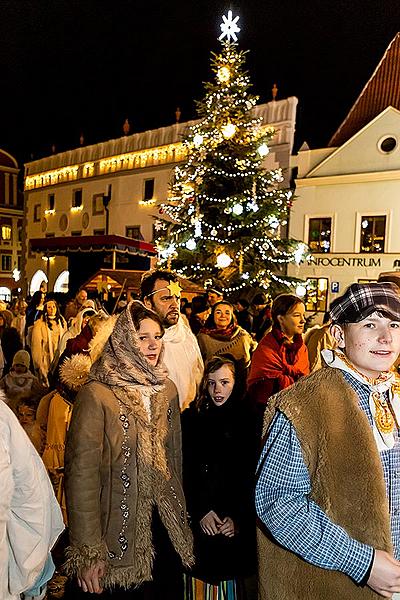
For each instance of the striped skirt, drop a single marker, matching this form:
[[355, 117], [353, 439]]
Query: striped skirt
[[195, 589]]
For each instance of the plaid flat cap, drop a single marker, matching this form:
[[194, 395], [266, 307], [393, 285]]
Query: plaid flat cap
[[362, 299]]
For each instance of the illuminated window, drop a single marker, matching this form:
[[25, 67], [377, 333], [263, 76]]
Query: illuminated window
[[317, 294], [319, 234], [148, 189], [372, 237], [6, 232]]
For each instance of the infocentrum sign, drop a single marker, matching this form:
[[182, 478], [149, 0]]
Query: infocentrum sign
[[386, 261]]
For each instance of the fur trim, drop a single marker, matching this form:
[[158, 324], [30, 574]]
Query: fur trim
[[83, 557], [74, 371], [96, 345]]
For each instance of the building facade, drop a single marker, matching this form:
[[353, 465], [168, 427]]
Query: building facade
[[115, 188], [347, 209], [11, 218]]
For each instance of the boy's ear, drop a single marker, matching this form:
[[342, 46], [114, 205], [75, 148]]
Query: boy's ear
[[337, 333]]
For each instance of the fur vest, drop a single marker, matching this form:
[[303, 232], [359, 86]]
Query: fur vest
[[347, 483], [103, 461]]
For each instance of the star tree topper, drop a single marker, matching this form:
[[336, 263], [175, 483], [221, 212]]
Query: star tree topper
[[229, 27]]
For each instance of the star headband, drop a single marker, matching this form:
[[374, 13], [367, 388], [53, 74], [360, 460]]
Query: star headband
[[173, 287]]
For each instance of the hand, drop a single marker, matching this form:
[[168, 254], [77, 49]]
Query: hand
[[385, 574], [228, 527], [211, 523], [89, 579]]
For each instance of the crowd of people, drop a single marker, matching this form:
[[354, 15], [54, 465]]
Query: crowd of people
[[202, 449]]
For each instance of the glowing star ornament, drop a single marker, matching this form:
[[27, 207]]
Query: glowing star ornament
[[223, 260], [198, 140], [223, 74], [263, 150], [191, 244], [228, 130], [229, 27]]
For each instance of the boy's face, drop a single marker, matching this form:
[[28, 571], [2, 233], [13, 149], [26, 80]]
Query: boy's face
[[372, 345]]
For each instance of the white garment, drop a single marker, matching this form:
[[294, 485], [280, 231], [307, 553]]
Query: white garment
[[183, 360], [30, 517]]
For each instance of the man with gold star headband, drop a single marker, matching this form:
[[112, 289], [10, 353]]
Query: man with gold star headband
[[161, 291], [328, 480]]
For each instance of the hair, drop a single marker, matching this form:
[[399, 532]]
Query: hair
[[259, 299], [58, 318], [211, 365], [214, 308], [139, 312], [149, 280], [281, 305], [243, 302]]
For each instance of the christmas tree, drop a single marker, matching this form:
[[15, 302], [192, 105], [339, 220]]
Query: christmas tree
[[225, 211]]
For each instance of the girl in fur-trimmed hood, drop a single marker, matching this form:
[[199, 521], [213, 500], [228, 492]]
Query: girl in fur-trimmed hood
[[124, 448]]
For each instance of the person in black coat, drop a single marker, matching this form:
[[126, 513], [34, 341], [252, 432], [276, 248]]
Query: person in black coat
[[219, 457]]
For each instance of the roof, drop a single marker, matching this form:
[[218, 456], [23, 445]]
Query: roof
[[92, 243], [131, 281], [382, 90]]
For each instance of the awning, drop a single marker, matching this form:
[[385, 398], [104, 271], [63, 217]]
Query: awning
[[62, 246]]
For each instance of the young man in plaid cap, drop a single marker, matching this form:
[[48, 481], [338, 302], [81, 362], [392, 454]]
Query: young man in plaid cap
[[328, 488]]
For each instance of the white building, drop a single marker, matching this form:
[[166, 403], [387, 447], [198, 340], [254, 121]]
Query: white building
[[11, 215], [347, 208], [64, 192]]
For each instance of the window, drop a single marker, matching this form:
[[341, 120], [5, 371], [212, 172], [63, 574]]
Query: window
[[50, 235], [373, 234], [6, 262], [77, 198], [387, 144], [316, 297], [319, 234], [133, 231], [99, 231], [36, 213], [76, 233], [148, 189], [6, 232], [97, 204], [51, 202]]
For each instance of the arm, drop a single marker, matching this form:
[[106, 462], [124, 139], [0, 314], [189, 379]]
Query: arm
[[296, 522], [173, 441]]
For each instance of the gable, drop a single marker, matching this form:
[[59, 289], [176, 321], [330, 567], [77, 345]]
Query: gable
[[362, 153]]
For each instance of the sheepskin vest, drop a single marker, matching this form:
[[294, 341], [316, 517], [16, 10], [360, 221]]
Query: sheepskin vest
[[347, 483]]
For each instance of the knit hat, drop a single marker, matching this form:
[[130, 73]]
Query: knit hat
[[22, 358], [362, 299]]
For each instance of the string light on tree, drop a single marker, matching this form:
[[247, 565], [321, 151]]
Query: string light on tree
[[224, 212]]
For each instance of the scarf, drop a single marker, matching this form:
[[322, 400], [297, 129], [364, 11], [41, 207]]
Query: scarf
[[136, 384], [221, 334], [383, 397]]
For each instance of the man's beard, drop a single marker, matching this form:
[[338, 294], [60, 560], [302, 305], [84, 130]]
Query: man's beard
[[170, 319]]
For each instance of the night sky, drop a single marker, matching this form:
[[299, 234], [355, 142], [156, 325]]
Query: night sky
[[72, 67]]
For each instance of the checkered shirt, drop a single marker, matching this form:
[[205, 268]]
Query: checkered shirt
[[283, 501]]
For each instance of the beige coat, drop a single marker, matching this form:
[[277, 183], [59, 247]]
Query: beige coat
[[100, 458], [43, 348]]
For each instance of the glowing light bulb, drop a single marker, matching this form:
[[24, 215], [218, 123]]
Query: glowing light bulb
[[301, 291], [228, 130], [191, 244], [237, 209], [223, 260], [299, 253], [263, 150]]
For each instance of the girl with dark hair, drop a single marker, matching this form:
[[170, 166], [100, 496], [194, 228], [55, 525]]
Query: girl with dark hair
[[129, 533], [46, 334], [281, 356], [225, 337], [219, 458]]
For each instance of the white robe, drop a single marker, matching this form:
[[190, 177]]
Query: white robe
[[183, 360], [30, 517]]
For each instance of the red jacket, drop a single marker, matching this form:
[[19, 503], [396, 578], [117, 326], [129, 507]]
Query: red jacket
[[276, 364]]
